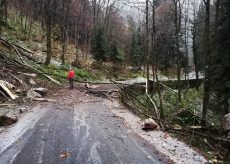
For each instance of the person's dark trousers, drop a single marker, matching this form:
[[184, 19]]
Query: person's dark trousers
[[71, 83]]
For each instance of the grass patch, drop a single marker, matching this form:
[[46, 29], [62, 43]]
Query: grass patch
[[61, 72]]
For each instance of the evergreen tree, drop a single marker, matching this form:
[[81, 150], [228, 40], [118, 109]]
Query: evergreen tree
[[116, 55], [99, 45], [221, 60], [135, 49]]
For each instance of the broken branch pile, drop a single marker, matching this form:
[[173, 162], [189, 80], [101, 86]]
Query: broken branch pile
[[146, 106], [21, 51]]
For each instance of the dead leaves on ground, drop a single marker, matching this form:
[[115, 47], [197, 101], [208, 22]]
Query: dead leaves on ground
[[64, 155]]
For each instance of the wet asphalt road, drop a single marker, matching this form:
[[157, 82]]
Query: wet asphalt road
[[74, 132]]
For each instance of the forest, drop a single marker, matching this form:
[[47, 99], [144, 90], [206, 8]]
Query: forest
[[180, 47]]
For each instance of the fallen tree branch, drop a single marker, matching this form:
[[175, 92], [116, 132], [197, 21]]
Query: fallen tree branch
[[168, 87], [25, 52], [7, 104], [130, 104], [3, 94], [6, 90], [44, 100], [53, 80], [16, 78], [23, 48], [202, 134], [155, 108], [15, 49]]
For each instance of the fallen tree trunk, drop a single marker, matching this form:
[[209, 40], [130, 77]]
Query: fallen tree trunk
[[202, 134], [53, 80], [15, 49], [23, 48], [5, 89], [43, 100], [16, 78], [22, 63]]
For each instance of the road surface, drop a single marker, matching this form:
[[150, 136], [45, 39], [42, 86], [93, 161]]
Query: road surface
[[78, 128]]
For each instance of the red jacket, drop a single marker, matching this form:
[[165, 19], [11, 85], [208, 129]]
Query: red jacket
[[71, 74]]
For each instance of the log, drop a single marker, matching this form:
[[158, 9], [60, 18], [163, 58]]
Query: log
[[53, 80], [23, 48], [24, 65], [7, 84], [29, 74], [16, 78], [97, 93], [43, 100], [25, 52], [8, 104], [3, 94], [203, 135], [6, 90], [27, 55], [156, 110], [15, 49], [168, 87]]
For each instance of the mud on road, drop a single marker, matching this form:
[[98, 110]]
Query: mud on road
[[77, 128]]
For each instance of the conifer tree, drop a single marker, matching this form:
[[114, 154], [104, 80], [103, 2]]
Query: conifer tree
[[99, 45], [136, 48], [221, 60]]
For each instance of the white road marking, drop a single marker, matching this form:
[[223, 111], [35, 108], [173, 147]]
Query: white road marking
[[40, 151], [94, 155]]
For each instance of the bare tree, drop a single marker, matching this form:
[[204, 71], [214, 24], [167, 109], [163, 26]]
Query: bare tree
[[177, 23], [48, 15], [147, 42], [63, 26], [207, 53], [194, 41], [3, 11]]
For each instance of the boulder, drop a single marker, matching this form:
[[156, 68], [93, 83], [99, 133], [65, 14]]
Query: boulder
[[22, 109], [41, 91], [150, 124], [32, 82], [32, 94], [7, 120]]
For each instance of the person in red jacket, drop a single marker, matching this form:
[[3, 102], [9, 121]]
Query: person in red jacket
[[71, 76]]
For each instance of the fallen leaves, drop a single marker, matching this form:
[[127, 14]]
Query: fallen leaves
[[166, 136], [64, 155]]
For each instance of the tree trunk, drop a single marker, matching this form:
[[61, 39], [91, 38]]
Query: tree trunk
[[194, 48], [25, 24], [162, 114], [48, 41], [94, 5], [186, 71], [1, 15], [30, 26], [76, 46], [207, 62], [195, 62], [63, 36], [177, 23], [63, 46], [147, 42], [226, 103], [153, 60], [5, 12]]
